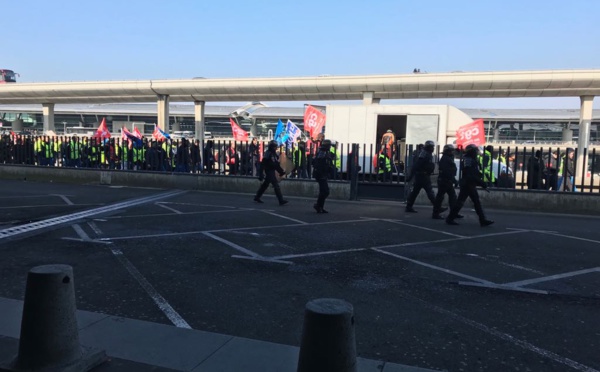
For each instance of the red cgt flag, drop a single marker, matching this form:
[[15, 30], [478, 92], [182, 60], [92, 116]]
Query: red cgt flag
[[238, 133], [102, 131], [471, 133], [314, 120]]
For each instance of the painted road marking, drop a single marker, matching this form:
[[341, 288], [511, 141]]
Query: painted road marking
[[159, 300], [233, 229], [522, 283], [504, 336], [64, 197], [169, 208], [423, 228], [285, 217], [233, 245], [434, 267], [50, 222]]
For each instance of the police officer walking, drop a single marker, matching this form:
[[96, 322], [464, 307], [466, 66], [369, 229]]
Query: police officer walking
[[446, 181], [323, 168], [471, 178], [266, 173], [422, 169]]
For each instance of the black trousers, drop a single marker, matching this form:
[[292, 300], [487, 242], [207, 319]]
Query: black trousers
[[467, 191], [422, 181], [270, 179], [444, 187], [323, 191]]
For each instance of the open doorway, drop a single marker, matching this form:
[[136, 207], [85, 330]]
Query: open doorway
[[397, 124]]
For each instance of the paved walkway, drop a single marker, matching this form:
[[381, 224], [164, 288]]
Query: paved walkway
[[135, 345]]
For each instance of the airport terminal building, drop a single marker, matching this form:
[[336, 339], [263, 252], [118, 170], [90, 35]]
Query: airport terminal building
[[511, 126]]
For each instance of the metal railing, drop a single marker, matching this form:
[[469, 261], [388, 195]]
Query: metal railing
[[512, 167]]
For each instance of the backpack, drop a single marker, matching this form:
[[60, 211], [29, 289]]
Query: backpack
[[322, 163]]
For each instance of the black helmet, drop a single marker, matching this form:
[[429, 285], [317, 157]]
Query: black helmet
[[472, 150], [429, 145], [326, 143], [272, 145], [448, 149]]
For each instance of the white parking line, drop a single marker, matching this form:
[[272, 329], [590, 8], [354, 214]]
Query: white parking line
[[483, 281], [95, 227], [552, 277], [285, 217], [505, 336], [571, 237], [43, 206], [171, 214], [82, 234], [233, 245], [168, 208], [159, 300], [64, 197], [423, 228], [284, 257], [232, 229]]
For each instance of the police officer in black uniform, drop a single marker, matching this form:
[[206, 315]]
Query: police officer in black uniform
[[446, 181], [323, 168], [471, 178], [421, 172], [266, 173]]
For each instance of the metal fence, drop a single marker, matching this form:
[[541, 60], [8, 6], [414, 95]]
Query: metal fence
[[555, 168]]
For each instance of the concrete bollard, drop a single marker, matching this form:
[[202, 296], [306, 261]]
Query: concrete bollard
[[328, 343], [49, 332]]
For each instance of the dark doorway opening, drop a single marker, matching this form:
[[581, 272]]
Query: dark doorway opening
[[397, 123]]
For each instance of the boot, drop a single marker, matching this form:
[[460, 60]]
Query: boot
[[257, 199], [410, 210], [450, 221], [283, 202], [485, 222], [436, 216]]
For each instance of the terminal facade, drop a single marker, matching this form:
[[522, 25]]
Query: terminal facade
[[503, 126]]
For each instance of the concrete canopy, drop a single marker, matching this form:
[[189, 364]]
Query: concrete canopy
[[551, 83]]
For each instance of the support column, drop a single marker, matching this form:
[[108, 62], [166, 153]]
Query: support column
[[567, 133], [199, 120], [163, 112], [585, 120], [369, 99], [48, 113]]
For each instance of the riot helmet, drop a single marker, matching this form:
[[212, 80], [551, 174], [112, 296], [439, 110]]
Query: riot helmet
[[272, 145], [472, 150], [448, 149], [429, 145]]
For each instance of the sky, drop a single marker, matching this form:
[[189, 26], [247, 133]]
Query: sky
[[66, 40]]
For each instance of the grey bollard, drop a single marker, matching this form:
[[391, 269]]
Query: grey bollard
[[49, 331], [328, 343]]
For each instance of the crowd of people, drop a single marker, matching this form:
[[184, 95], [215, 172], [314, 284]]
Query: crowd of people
[[181, 155], [553, 170]]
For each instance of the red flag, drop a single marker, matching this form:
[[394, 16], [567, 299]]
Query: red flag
[[124, 132], [137, 133], [238, 133], [102, 131], [471, 133], [314, 120]]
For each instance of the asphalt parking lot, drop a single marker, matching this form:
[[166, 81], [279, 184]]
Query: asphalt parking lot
[[522, 294]]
